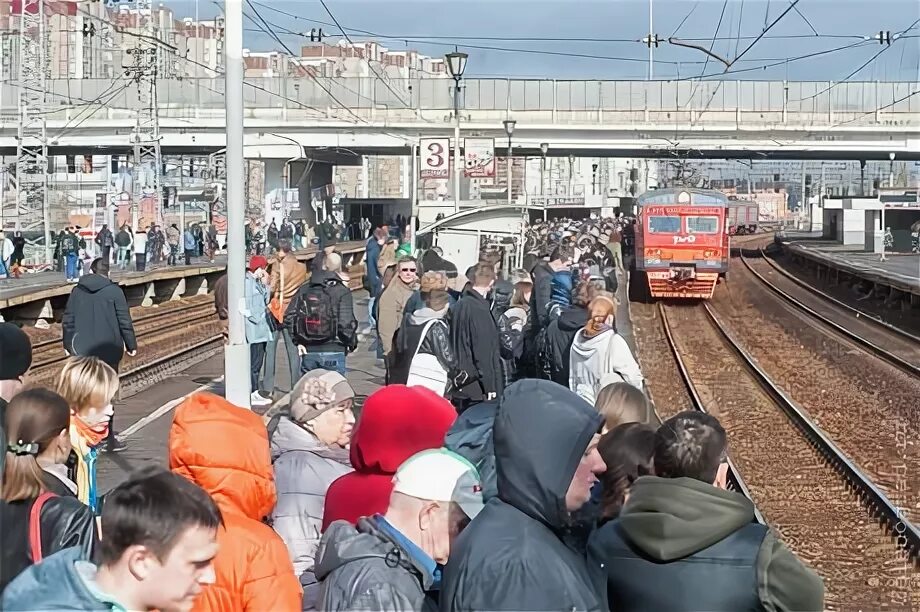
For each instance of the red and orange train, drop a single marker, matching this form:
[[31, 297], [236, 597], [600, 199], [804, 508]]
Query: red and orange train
[[681, 244]]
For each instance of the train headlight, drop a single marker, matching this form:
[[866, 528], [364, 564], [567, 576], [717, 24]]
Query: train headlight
[[710, 253], [652, 253]]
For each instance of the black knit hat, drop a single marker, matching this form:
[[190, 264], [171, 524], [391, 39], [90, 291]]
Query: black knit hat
[[15, 352]]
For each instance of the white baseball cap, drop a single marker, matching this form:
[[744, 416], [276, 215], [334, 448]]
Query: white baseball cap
[[441, 475]]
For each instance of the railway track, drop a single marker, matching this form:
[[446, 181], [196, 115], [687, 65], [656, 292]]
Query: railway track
[[822, 504], [887, 342]]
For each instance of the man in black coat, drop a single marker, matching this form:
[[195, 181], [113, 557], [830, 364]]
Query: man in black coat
[[542, 275], [97, 323], [475, 339], [546, 462]]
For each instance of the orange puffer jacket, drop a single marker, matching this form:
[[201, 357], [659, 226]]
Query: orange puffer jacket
[[224, 450]]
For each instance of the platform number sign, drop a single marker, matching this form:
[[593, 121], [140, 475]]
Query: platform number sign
[[434, 162]]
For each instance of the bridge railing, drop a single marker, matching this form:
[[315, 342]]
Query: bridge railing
[[563, 101]]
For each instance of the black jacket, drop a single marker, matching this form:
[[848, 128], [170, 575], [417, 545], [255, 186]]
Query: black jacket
[[97, 321], [65, 522], [540, 434], [558, 341], [542, 275], [474, 336], [344, 312], [510, 339], [436, 342]]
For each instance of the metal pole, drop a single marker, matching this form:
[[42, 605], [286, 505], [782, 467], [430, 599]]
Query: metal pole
[[543, 184], [651, 46], [509, 170], [457, 165], [236, 353], [802, 197], [415, 186]]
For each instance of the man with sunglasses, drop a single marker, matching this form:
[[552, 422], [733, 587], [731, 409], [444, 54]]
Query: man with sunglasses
[[684, 542], [393, 301]]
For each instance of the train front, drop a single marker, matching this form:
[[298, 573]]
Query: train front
[[681, 243]]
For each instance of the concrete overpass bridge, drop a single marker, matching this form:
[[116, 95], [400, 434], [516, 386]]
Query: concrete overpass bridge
[[338, 118]]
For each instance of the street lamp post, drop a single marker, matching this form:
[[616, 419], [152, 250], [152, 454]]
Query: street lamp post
[[509, 130], [571, 174], [456, 63], [544, 147]]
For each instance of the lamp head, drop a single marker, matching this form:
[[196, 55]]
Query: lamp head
[[544, 147], [509, 126], [456, 63], [891, 156]]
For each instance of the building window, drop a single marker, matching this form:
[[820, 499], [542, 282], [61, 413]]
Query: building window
[[71, 164]]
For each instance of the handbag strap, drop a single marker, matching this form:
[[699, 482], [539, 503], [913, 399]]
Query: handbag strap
[[424, 334], [35, 525]]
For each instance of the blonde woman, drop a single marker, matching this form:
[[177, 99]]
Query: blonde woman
[[620, 403], [599, 355], [88, 385]]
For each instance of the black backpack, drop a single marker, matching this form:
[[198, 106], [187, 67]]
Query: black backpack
[[315, 322], [123, 238]]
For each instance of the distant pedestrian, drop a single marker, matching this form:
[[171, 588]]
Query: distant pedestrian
[[173, 238], [140, 251], [258, 331], [321, 319], [396, 422], [106, 242], [210, 240], [157, 554], [272, 235], [221, 305], [189, 245], [89, 386], [474, 335], [224, 450], [390, 560], [393, 301], [70, 250], [299, 234], [722, 559], [371, 256], [546, 460], [287, 275], [123, 242], [37, 447], [19, 245]]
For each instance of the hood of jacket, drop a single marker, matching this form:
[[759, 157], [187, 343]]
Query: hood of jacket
[[502, 292], [541, 432], [573, 318], [324, 277], [32, 589], [238, 475], [93, 283], [423, 315], [670, 518], [291, 437], [586, 346], [397, 422]]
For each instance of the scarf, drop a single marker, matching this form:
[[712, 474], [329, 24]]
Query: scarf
[[93, 437], [85, 440]]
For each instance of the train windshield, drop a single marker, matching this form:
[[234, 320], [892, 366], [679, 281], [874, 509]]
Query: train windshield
[[663, 225], [703, 225]]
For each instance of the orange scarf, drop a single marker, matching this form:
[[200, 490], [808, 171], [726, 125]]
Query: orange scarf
[[93, 437]]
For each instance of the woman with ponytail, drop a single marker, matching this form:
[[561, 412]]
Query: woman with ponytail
[[40, 515], [599, 355], [88, 385]]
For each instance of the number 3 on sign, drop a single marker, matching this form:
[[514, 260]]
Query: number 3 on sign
[[434, 153]]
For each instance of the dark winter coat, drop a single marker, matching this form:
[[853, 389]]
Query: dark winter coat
[[364, 567], [97, 321], [510, 339], [345, 320], [372, 255], [65, 522], [471, 438], [557, 342], [474, 335], [286, 232], [689, 533], [540, 434], [19, 245], [105, 239], [436, 342], [541, 296]]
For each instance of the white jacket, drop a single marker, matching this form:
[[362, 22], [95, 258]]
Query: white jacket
[[599, 361]]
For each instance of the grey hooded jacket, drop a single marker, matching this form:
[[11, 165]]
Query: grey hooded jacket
[[362, 568], [304, 469]]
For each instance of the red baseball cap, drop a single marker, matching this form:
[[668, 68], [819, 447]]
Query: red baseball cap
[[256, 262]]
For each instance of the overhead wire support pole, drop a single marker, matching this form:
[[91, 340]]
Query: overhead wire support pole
[[236, 353], [32, 145], [148, 163]]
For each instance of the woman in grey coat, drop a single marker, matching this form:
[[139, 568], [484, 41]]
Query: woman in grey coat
[[309, 448]]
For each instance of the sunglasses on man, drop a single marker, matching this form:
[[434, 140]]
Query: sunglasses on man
[[408, 269]]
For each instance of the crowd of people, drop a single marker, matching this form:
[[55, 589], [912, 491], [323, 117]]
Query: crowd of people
[[513, 460]]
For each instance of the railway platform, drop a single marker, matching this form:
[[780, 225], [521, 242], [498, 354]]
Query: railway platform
[[43, 295], [896, 279]]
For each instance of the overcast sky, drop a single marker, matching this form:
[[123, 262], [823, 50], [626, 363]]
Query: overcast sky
[[483, 28]]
